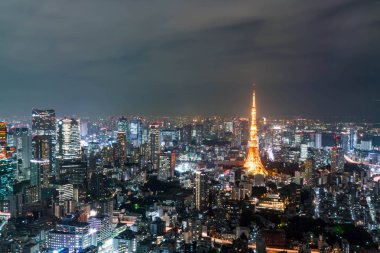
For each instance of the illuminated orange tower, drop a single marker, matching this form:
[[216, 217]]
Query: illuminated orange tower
[[253, 162]]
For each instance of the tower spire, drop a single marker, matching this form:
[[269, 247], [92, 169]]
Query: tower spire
[[253, 162]]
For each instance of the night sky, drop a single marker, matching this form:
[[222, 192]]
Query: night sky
[[97, 57]]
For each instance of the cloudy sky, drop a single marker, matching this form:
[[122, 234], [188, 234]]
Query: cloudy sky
[[173, 57]]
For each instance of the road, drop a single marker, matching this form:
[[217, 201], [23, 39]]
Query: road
[[253, 246]]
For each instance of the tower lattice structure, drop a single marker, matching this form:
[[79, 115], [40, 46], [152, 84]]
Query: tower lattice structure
[[253, 163]]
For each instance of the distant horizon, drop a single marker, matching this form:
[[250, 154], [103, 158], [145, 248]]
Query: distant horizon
[[330, 119]]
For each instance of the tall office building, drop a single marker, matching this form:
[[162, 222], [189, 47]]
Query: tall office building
[[122, 125], [186, 134], [135, 132], [22, 141], [41, 162], [154, 144], [83, 129], [43, 124], [198, 132], [69, 137], [304, 152], [345, 142], [172, 163], [337, 159], [8, 169], [309, 170], [3, 140], [164, 166], [318, 140], [168, 138], [121, 146], [74, 171], [122, 136], [353, 138], [201, 191]]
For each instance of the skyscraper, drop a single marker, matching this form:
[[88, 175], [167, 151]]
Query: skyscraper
[[43, 124], [172, 163], [74, 171], [22, 141], [337, 159], [135, 132], [253, 162], [304, 152], [7, 175], [41, 162], [122, 125], [164, 166], [74, 149], [121, 147], [154, 144], [318, 140], [69, 138], [3, 140], [201, 191], [353, 138]]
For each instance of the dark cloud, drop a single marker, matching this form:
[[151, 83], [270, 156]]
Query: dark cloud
[[96, 57]]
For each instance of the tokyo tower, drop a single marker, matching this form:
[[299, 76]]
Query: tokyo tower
[[253, 163]]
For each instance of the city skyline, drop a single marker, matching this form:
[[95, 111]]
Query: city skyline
[[182, 58], [227, 185], [189, 126]]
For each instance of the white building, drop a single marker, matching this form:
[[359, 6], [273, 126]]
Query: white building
[[69, 137], [70, 234], [102, 225]]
